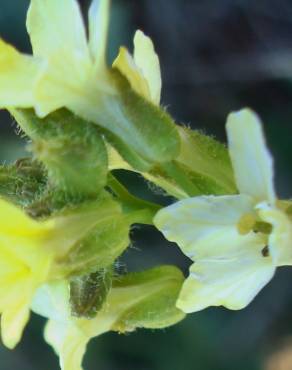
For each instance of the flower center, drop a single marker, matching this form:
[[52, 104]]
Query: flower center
[[249, 222]]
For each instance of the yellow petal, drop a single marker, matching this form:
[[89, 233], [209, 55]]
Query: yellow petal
[[126, 65], [13, 321], [18, 74], [98, 30], [231, 281], [23, 269], [252, 162], [56, 26], [204, 226], [15, 222], [147, 61]]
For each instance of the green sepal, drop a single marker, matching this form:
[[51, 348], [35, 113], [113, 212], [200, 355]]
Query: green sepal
[[202, 168], [143, 133], [150, 299], [88, 293], [71, 149], [207, 161], [103, 231], [23, 181], [100, 248]]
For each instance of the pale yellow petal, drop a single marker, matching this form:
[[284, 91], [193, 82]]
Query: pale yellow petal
[[251, 160], [56, 26], [63, 83], [204, 226], [58, 35], [126, 65], [52, 301], [280, 239], [231, 281], [18, 74], [147, 61], [69, 343], [13, 321], [98, 30]]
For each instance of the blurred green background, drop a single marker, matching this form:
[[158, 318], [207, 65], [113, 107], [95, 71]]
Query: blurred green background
[[216, 56]]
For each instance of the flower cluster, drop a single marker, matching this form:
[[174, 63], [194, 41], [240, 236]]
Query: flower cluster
[[66, 218]]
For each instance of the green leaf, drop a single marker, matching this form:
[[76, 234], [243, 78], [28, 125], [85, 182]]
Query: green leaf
[[71, 149], [88, 293]]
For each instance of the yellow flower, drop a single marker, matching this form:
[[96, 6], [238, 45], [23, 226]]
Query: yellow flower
[[24, 265], [32, 252], [72, 68], [66, 69], [236, 241], [64, 63]]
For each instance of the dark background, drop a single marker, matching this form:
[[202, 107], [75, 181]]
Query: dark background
[[216, 56]]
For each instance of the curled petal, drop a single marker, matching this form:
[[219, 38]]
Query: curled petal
[[148, 62], [142, 70], [126, 65]]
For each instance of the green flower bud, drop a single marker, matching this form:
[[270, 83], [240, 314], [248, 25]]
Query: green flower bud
[[22, 182], [71, 149], [88, 293]]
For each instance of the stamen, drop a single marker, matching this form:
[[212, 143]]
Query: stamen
[[246, 223]]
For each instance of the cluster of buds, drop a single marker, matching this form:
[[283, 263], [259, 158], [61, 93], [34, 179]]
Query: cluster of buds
[[66, 218]]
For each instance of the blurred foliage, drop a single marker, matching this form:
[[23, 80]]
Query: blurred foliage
[[216, 56]]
